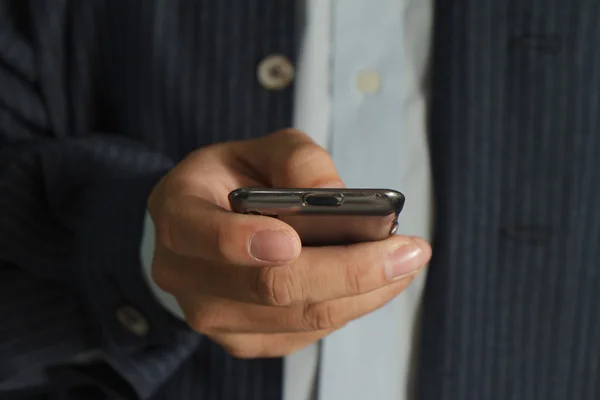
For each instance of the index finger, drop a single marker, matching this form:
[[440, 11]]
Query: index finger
[[290, 158]]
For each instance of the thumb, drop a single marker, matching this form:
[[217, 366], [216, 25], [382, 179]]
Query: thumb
[[197, 228], [189, 224]]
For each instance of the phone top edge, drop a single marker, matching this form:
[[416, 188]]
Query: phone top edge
[[277, 200], [243, 192]]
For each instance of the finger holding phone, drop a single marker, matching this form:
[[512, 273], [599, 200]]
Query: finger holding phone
[[250, 282]]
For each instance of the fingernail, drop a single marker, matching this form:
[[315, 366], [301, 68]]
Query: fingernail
[[273, 246], [404, 261]]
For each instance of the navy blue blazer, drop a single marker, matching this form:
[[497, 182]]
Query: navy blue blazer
[[99, 98]]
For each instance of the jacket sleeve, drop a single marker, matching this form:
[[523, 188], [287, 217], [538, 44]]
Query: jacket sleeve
[[72, 212]]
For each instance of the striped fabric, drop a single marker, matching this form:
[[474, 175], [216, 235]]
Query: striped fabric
[[98, 98], [513, 297]]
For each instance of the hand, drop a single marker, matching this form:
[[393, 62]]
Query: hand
[[245, 281]]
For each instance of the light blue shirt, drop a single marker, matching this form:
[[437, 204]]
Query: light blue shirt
[[361, 92]]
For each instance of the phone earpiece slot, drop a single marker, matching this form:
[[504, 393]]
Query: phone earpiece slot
[[323, 200]]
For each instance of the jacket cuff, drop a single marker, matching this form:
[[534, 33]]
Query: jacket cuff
[[141, 340]]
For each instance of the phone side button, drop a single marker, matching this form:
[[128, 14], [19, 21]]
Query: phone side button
[[394, 229]]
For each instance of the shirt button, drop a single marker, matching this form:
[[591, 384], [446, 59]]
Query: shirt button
[[275, 72], [133, 320], [368, 81]]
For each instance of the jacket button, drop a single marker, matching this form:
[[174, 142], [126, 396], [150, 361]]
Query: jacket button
[[275, 72], [133, 320]]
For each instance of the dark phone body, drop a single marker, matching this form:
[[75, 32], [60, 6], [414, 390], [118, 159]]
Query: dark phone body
[[326, 216]]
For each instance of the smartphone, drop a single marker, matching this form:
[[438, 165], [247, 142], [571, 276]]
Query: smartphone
[[326, 216]]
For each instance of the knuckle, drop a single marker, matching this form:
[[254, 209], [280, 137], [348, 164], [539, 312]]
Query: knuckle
[[292, 134], [241, 346], [202, 152], [275, 286], [306, 153], [154, 201], [164, 232], [197, 323], [223, 240], [321, 317], [265, 345], [163, 276], [242, 352], [356, 279], [204, 321]]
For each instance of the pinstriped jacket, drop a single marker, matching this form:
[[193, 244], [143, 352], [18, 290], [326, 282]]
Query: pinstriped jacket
[[99, 98]]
